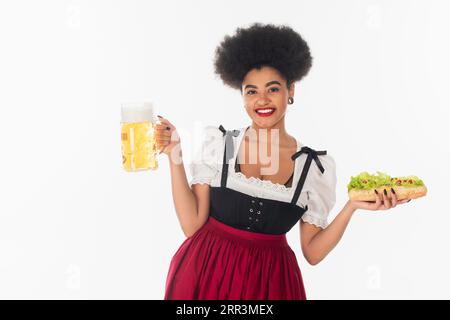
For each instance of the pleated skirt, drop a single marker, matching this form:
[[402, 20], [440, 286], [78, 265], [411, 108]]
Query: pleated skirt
[[220, 262]]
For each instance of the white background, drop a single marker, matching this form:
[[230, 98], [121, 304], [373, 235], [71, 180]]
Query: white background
[[74, 224]]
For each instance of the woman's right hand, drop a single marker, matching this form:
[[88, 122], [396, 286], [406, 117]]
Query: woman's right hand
[[166, 136]]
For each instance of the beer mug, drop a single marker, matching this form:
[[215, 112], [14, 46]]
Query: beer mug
[[139, 150]]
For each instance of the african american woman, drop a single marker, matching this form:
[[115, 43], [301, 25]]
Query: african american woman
[[239, 205]]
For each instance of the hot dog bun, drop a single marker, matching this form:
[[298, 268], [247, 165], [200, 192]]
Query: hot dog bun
[[401, 192]]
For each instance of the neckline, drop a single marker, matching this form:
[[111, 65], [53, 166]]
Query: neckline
[[275, 185], [284, 184]]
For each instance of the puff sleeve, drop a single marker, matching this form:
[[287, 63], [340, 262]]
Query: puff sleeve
[[321, 192], [206, 163]]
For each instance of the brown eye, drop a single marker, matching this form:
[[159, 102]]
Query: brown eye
[[276, 89], [248, 92]]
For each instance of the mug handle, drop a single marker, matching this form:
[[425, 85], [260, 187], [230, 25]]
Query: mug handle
[[157, 121]]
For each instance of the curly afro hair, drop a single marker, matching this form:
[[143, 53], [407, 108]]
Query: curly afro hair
[[261, 45]]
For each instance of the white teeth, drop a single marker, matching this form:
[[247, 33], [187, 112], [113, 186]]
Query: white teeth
[[265, 110]]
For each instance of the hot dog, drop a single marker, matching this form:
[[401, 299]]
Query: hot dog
[[362, 187]]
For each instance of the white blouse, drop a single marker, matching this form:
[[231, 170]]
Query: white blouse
[[319, 190]]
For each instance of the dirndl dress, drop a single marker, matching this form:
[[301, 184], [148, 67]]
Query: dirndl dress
[[237, 257]]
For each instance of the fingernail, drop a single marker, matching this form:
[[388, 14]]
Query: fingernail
[[392, 189], [376, 191], [385, 192]]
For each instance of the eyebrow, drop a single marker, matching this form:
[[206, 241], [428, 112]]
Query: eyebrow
[[267, 84]]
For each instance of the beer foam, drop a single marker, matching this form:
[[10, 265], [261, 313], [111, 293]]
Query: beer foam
[[138, 112]]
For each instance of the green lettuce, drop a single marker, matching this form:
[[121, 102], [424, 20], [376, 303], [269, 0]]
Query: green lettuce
[[365, 181]]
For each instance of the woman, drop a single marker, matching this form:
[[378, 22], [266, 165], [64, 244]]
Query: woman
[[236, 212]]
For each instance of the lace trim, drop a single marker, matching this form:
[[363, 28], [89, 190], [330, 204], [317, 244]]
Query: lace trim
[[266, 184], [321, 223], [200, 180]]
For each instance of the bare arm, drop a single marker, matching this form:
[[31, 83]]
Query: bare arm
[[316, 242], [191, 205]]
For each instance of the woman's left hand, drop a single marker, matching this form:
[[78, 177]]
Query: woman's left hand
[[382, 202]]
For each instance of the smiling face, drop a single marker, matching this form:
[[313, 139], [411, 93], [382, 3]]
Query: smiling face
[[265, 96]]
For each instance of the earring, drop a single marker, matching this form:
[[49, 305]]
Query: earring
[[290, 100]]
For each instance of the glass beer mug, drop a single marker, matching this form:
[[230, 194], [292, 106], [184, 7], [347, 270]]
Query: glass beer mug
[[139, 150]]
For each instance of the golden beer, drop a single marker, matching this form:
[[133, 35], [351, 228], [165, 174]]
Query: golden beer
[[138, 139]]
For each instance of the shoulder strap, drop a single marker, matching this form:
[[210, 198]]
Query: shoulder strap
[[228, 152], [312, 154]]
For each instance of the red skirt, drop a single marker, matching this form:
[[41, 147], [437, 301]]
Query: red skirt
[[220, 262]]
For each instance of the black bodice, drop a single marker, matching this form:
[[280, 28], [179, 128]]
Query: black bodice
[[242, 211]]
